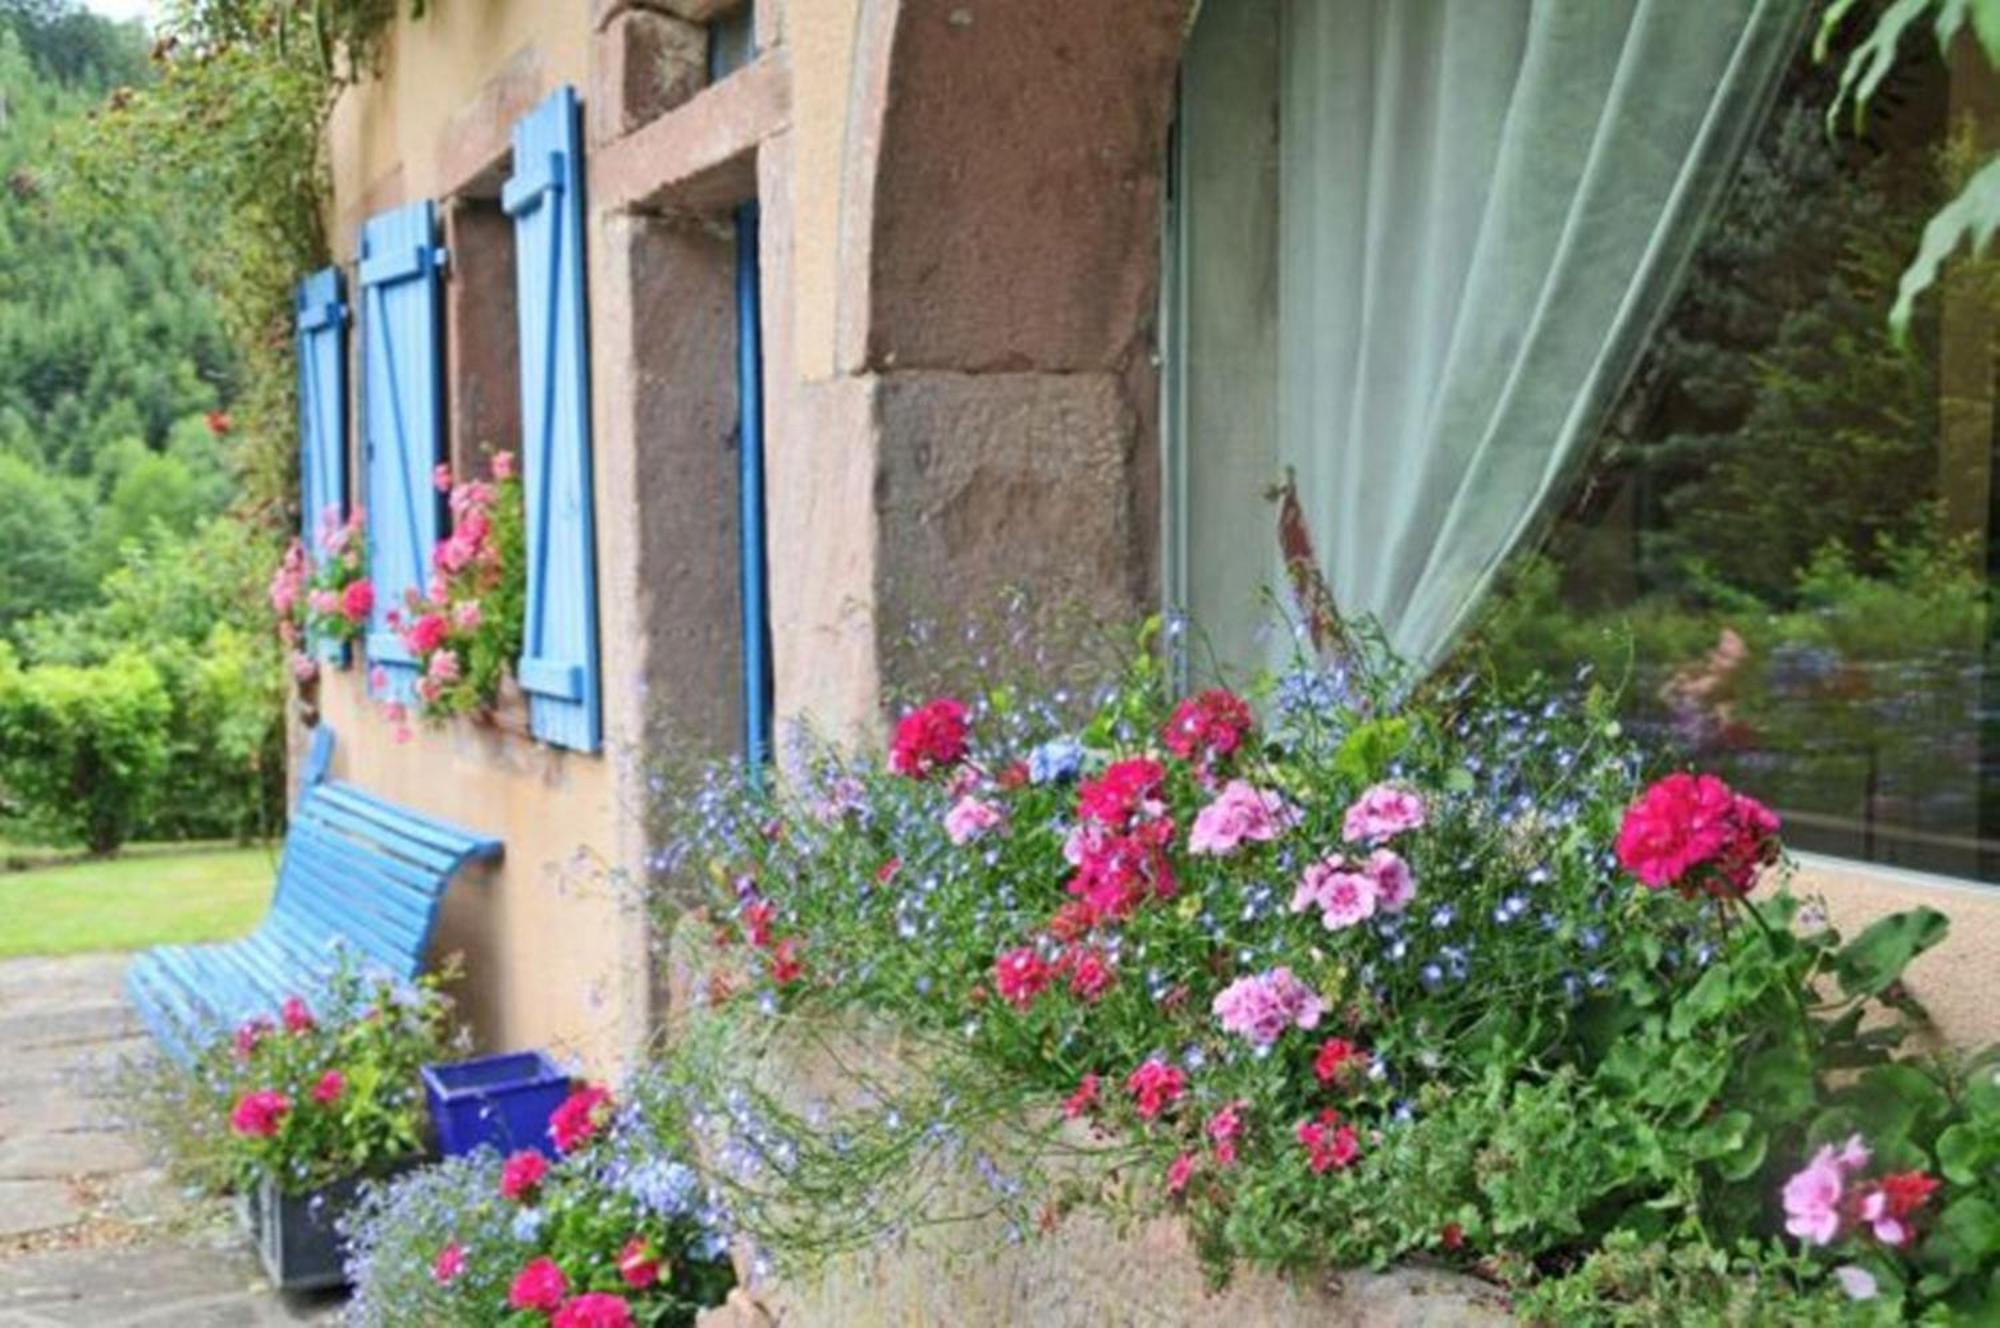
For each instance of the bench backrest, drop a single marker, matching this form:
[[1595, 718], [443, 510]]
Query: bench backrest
[[366, 871]]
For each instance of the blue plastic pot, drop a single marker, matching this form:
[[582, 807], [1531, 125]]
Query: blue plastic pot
[[499, 1101]]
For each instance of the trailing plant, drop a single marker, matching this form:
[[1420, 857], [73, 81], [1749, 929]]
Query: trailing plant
[[616, 1231], [1383, 973], [464, 629]]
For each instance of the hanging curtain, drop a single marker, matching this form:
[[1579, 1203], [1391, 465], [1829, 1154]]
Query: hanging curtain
[[1483, 210]]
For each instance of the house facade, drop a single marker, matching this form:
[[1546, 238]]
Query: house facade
[[810, 318]]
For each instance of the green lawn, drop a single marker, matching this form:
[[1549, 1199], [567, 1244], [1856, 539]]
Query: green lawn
[[146, 895]]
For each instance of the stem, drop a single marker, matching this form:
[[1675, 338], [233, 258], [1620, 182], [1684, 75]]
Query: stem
[[1791, 989]]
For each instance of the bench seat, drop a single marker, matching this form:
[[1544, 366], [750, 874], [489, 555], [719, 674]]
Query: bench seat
[[358, 873]]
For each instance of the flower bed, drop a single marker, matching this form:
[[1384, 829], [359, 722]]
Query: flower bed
[[1373, 979]]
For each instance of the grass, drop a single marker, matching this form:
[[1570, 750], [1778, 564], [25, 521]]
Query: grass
[[148, 895]]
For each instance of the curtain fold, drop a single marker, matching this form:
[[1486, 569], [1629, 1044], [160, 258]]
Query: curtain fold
[[1484, 207]]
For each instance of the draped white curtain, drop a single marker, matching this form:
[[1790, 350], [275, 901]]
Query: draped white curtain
[[1481, 209]]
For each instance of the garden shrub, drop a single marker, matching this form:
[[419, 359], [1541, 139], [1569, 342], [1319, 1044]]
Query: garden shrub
[[1386, 973], [82, 749]]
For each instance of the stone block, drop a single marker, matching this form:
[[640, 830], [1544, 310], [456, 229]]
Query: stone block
[[642, 65], [602, 12]]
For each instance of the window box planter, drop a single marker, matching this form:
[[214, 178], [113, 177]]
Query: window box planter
[[502, 1101]]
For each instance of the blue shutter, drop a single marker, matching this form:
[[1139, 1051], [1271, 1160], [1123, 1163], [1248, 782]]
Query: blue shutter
[[558, 668], [402, 418], [322, 353]]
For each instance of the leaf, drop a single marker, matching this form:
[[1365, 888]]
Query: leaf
[[1878, 956], [1967, 1235], [1971, 217], [1871, 61], [1962, 1151], [1779, 1083], [1722, 1136], [1708, 998], [1367, 751]]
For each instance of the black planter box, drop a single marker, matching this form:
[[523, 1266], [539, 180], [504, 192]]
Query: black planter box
[[297, 1235]]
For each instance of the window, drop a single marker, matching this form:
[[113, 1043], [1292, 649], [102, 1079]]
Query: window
[[1776, 529]]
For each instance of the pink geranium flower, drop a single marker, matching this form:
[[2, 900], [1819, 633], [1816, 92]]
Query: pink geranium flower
[[357, 601], [1382, 813], [971, 818], [1813, 1196], [297, 1015], [1395, 883], [930, 738], [1224, 1129], [1342, 895], [639, 1263], [1180, 1172], [1263, 1006], [1694, 832], [1083, 1099], [1239, 814], [1206, 726]]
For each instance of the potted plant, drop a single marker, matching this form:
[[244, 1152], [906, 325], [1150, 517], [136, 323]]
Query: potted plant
[[614, 1230], [503, 1102], [325, 1099], [321, 596]]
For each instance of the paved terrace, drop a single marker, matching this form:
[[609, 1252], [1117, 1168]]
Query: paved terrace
[[90, 1235]]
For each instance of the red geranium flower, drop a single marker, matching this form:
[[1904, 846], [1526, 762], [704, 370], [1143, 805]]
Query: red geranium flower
[[638, 1264], [1694, 832], [259, 1115], [449, 1264], [329, 1088], [540, 1285], [1336, 1057], [1020, 975], [1083, 1099], [597, 1309], [581, 1115], [1155, 1086], [1329, 1144], [298, 1016], [521, 1173], [930, 738], [1207, 726]]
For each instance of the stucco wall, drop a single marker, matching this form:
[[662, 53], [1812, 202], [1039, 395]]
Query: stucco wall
[[555, 952]]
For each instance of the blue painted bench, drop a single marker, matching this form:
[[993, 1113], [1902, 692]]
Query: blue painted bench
[[357, 872]]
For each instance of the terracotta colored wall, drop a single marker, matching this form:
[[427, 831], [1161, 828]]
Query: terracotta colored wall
[[556, 956]]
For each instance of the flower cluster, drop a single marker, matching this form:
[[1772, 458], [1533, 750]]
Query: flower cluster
[[321, 1095], [322, 595], [1830, 1198], [1694, 833], [614, 1232], [463, 630]]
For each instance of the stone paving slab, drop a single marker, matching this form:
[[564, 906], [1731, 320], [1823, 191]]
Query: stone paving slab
[[183, 1285], [90, 1235]]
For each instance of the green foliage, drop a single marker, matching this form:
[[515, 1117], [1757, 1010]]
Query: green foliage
[[82, 749], [1630, 1283], [43, 567], [187, 608], [1969, 220]]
